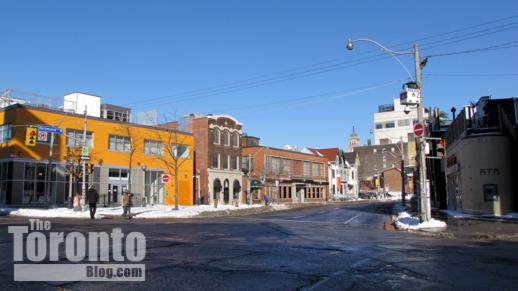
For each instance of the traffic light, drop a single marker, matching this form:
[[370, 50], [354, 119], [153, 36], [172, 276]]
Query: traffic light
[[30, 136], [90, 168], [441, 147]]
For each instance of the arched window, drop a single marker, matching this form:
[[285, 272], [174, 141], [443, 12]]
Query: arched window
[[216, 187], [236, 189], [235, 140], [216, 136], [226, 138]]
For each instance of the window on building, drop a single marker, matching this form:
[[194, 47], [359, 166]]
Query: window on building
[[118, 174], [379, 125], [216, 136], [307, 166], [75, 138], [153, 147], [235, 163], [390, 124], [226, 138], [316, 169], [275, 165], [286, 167], [119, 143], [403, 122], [180, 151], [109, 114], [235, 138], [384, 141], [225, 162], [5, 133], [215, 161]]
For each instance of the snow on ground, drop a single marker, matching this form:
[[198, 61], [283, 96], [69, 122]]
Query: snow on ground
[[156, 211], [405, 221]]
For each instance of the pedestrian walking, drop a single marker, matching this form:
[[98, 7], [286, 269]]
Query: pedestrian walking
[[92, 196], [125, 203], [266, 199]]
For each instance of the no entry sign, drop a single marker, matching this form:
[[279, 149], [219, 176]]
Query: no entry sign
[[418, 129], [166, 178]]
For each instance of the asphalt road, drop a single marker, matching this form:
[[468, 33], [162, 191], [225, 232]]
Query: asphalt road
[[341, 246]]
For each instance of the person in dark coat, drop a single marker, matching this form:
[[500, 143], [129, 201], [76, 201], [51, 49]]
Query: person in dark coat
[[92, 196]]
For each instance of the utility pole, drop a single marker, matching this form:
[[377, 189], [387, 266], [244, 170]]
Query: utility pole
[[83, 161], [424, 199]]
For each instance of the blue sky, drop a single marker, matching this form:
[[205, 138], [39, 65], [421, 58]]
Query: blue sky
[[165, 54]]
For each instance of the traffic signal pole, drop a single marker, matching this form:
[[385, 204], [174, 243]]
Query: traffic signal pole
[[48, 185], [83, 161]]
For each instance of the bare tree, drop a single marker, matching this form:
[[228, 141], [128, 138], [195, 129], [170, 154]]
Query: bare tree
[[176, 153], [133, 146]]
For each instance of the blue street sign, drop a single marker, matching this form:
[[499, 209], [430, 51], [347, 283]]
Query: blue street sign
[[50, 129]]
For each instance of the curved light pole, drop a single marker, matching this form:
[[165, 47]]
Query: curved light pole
[[425, 208]]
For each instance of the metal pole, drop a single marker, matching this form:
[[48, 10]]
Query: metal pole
[[199, 189], [48, 185], [83, 161], [403, 191], [424, 211], [250, 179]]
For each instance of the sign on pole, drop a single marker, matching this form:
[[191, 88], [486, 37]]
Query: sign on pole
[[43, 137], [50, 129], [418, 130], [166, 178]]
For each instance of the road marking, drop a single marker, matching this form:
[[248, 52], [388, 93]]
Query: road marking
[[353, 218], [297, 217]]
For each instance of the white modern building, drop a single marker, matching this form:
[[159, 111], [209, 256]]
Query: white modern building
[[394, 122]]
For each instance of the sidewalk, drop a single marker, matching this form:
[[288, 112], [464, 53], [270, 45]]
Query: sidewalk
[[480, 229]]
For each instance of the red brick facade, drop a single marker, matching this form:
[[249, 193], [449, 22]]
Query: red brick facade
[[287, 176]]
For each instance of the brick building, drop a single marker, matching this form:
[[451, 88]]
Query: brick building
[[374, 159], [286, 176], [391, 181], [217, 150]]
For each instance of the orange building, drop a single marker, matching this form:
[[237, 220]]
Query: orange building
[[122, 156]]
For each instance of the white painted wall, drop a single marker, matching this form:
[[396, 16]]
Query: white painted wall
[[399, 131], [76, 102]]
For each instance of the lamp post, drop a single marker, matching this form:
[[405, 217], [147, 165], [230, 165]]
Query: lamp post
[[197, 176], [424, 209]]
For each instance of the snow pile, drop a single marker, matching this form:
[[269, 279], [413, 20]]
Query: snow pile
[[156, 211], [405, 221]]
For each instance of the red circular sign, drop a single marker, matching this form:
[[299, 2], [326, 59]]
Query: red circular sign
[[418, 129], [166, 178]]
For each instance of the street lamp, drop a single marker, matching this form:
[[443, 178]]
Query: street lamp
[[425, 208]]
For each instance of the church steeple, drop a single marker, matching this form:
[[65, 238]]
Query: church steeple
[[353, 141]]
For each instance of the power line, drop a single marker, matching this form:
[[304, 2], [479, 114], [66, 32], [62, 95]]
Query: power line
[[330, 95], [472, 75], [507, 45], [247, 84]]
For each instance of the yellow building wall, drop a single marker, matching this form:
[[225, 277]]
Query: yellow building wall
[[20, 118]]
